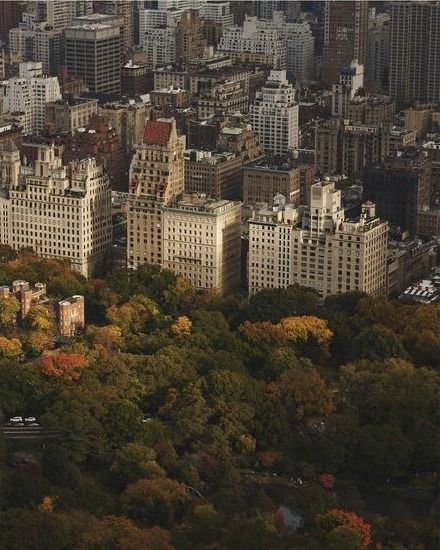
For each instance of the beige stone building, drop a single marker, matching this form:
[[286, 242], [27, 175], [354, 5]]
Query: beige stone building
[[317, 247], [71, 316], [128, 120], [218, 175], [156, 177], [202, 241], [58, 211], [270, 176], [70, 113]]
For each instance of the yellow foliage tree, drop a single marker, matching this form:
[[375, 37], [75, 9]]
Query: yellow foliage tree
[[293, 329], [10, 347], [47, 505], [181, 326]]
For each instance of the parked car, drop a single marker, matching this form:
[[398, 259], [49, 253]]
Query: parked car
[[16, 421], [30, 421]]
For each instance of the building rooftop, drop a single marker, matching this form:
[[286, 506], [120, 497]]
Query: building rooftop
[[157, 132]]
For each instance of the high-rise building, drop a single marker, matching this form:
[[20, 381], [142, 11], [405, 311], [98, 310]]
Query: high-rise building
[[202, 241], [400, 187], [156, 177], [70, 113], [10, 16], [99, 139], [160, 44], [24, 97], [57, 14], [218, 11], [128, 120], [124, 9], [190, 40], [415, 51], [216, 175], [93, 52], [255, 42], [378, 56], [58, 211], [267, 177], [38, 44], [300, 51], [351, 79], [274, 114], [345, 37], [317, 247]]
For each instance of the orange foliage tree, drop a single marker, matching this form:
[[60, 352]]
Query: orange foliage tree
[[340, 518], [64, 365]]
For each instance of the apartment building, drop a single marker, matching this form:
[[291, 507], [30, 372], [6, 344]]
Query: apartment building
[[128, 119], [400, 187], [39, 44], [124, 9], [414, 51], [217, 175], [255, 42], [59, 211], [274, 115], [345, 36], [70, 113], [223, 98], [317, 247], [156, 177], [202, 241], [24, 97], [351, 79], [267, 177]]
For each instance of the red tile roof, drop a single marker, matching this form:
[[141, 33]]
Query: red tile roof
[[157, 132]]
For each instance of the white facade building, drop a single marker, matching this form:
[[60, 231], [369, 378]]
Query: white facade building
[[202, 241], [160, 45], [316, 247], [58, 211], [219, 12], [274, 115], [25, 96], [350, 80], [291, 44]]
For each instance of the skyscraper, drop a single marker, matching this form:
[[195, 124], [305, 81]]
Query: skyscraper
[[415, 51], [345, 37], [156, 177], [274, 114], [123, 8], [93, 52]]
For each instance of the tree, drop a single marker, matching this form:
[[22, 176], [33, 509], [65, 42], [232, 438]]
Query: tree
[[108, 337], [151, 539], [39, 319], [305, 392], [135, 316], [64, 365], [10, 347], [155, 501], [340, 518], [275, 304], [135, 461], [9, 309], [181, 326]]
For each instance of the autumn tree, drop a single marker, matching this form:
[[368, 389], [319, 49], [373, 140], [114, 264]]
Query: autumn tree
[[181, 326], [10, 347], [64, 365], [335, 519], [135, 461], [9, 309], [154, 501]]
